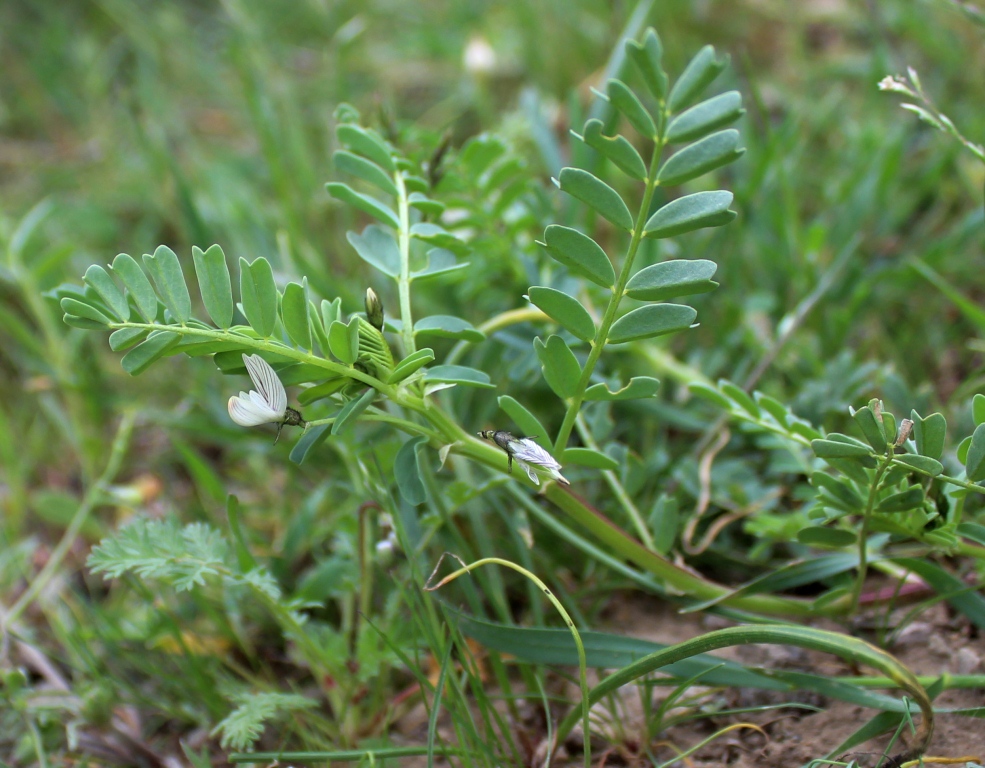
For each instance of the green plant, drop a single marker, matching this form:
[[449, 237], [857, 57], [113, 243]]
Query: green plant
[[384, 397]]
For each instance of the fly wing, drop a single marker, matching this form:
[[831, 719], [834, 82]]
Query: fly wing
[[527, 450], [530, 472], [267, 383]]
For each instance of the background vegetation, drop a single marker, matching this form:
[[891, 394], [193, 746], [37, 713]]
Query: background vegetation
[[852, 272]]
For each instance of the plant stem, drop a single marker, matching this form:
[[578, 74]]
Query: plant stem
[[863, 536], [268, 345], [92, 498], [403, 281], [602, 334], [615, 485]]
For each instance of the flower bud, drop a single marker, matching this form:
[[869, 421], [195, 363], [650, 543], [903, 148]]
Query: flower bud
[[374, 309]]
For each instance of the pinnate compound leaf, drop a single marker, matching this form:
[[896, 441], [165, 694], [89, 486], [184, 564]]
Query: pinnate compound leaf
[[560, 367], [652, 320], [364, 203], [972, 531], [978, 409], [701, 157], [579, 253], [136, 282], [124, 338], [818, 536], [323, 390], [638, 388], [691, 212], [214, 284], [962, 451], [564, 310], [670, 279], [648, 58], [407, 472], [366, 170], [871, 428], [107, 289], [352, 410], [458, 374], [318, 332], [343, 340], [705, 117], [711, 394], [697, 75], [615, 148], [440, 237], [773, 407], [839, 489], [923, 464], [312, 437], [911, 498], [598, 195], [975, 463], [529, 424], [76, 308], [929, 434], [411, 364], [740, 396], [85, 323], [440, 261], [156, 346], [377, 248], [628, 103], [426, 205], [448, 327], [259, 295], [835, 449], [330, 311], [367, 143], [165, 269], [587, 457], [294, 308]]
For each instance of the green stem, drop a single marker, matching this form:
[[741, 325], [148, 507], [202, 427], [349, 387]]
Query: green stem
[[403, 281], [602, 334], [863, 536], [93, 497], [496, 323], [270, 346], [615, 485]]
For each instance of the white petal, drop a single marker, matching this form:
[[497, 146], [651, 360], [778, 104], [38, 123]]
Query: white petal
[[267, 383], [247, 412]]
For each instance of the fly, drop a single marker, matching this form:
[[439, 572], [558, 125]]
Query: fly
[[527, 453]]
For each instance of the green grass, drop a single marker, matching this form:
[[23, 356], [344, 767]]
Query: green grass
[[125, 126]]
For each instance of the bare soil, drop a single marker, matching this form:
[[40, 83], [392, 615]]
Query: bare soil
[[937, 642]]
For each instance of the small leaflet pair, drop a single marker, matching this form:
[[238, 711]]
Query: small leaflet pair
[[267, 404], [526, 453]]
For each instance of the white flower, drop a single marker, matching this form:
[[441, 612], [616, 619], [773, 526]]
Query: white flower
[[526, 453], [267, 404]]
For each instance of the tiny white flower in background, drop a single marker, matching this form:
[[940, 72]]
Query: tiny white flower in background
[[479, 57], [526, 453], [267, 404]]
